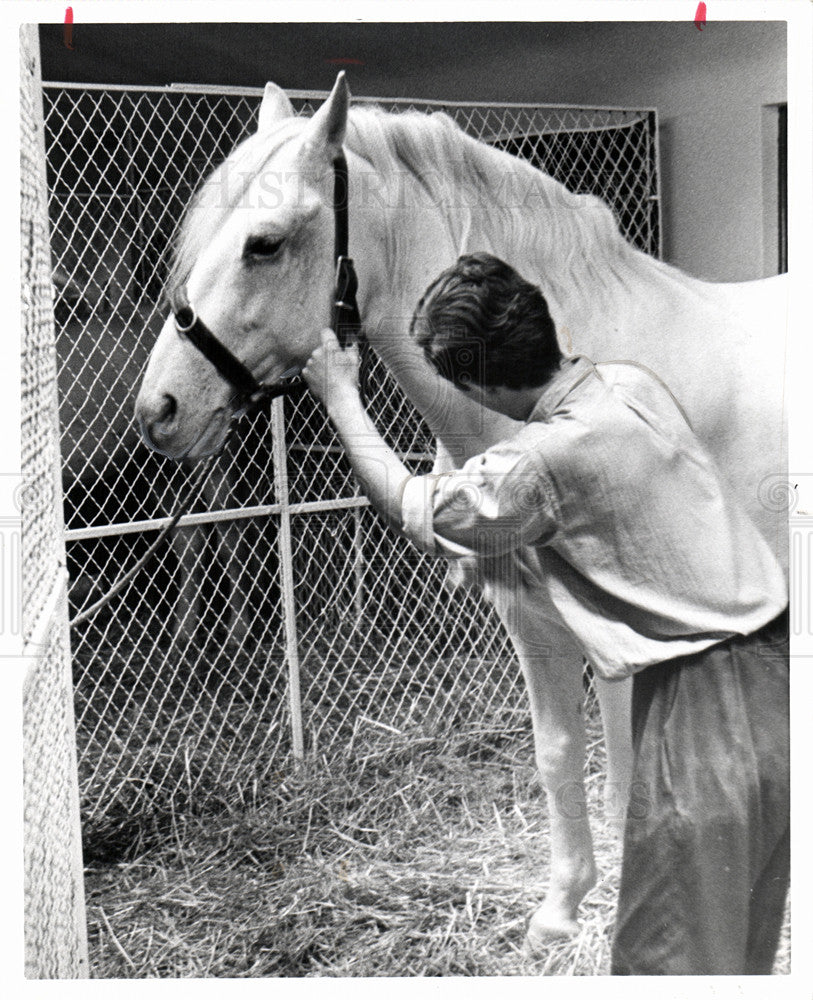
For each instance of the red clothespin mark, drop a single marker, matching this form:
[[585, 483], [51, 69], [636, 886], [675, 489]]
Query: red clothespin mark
[[700, 16], [69, 28]]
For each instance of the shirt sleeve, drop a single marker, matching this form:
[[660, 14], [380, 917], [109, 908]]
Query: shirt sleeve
[[498, 502]]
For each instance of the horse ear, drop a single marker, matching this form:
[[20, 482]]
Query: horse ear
[[275, 107], [328, 126]]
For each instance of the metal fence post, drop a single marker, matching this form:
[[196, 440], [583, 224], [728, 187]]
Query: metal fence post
[[358, 566], [286, 572]]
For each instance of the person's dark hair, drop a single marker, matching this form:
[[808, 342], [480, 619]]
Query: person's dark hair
[[480, 321]]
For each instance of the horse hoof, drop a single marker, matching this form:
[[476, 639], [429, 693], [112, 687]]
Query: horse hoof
[[545, 928]]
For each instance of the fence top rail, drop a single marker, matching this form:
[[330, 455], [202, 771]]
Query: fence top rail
[[320, 95], [228, 514]]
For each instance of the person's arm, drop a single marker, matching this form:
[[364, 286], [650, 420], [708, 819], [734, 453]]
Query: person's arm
[[332, 375], [497, 502]]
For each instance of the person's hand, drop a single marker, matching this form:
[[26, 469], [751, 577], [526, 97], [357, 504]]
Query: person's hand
[[332, 372]]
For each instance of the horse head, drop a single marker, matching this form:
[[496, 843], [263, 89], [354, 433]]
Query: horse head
[[255, 254]]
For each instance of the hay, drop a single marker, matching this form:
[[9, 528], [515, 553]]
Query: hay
[[165, 729], [415, 855]]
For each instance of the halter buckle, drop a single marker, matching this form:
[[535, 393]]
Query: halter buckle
[[181, 327]]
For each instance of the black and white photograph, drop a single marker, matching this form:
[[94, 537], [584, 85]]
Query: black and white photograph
[[413, 570]]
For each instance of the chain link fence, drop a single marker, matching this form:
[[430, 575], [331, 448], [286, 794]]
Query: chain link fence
[[282, 619], [55, 935]]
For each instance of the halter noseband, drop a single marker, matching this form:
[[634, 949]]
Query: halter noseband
[[249, 394]]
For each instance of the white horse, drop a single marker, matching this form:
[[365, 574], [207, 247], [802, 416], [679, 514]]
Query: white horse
[[256, 254]]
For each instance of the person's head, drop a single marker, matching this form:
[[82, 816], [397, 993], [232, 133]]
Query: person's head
[[481, 323]]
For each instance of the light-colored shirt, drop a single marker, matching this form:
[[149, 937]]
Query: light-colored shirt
[[632, 530]]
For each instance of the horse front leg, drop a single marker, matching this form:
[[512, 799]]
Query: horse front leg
[[551, 664], [615, 701]]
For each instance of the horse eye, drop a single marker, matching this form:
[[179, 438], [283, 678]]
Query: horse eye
[[261, 246]]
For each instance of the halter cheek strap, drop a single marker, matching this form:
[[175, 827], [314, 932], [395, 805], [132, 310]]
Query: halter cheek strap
[[249, 394], [345, 318]]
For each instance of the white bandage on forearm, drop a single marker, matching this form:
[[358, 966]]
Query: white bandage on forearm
[[416, 511]]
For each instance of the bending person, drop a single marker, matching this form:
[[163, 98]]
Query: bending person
[[656, 570]]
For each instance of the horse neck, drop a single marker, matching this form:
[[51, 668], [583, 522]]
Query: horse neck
[[603, 305], [397, 255], [568, 245]]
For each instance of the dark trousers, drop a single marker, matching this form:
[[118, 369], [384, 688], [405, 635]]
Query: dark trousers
[[706, 844]]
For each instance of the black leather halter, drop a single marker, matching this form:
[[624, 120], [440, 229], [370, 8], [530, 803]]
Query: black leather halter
[[249, 394]]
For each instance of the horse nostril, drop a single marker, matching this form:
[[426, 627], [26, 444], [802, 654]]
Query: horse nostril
[[169, 410], [157, 418]]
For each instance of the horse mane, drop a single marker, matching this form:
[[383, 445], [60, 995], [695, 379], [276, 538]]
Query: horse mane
[[569, 244]]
